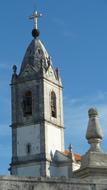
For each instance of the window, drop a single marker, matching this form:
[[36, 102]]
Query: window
[[53, 104], [27, 103], [28, 148]]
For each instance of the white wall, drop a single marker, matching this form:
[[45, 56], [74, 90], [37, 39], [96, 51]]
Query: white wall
[[54, 132], [28, 134], [53, 138], [48, 88]]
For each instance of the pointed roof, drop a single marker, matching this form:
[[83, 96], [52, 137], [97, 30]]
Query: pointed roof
[[36, 56]]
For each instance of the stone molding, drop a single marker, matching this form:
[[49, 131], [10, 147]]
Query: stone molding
[[39, 121]]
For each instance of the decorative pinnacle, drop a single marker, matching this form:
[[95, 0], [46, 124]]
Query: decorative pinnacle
[[35, 17], [92, 112], [94, 133], [14, 69], [71, 154], [70, 148]]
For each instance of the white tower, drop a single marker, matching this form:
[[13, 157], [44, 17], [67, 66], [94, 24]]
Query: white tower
[[37, 111]]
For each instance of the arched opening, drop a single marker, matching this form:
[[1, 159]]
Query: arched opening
[[53, 104], [28, 148], [27, 103]]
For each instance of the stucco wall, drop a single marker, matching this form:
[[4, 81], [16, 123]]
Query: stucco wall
[[22, 183], [53, 138], [28, 134], [48, 88]]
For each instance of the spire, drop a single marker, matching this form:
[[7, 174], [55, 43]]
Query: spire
[[36, 55], [94, 133], [35, 16]]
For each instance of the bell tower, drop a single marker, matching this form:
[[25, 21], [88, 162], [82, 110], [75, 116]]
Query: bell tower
[[37, 111]]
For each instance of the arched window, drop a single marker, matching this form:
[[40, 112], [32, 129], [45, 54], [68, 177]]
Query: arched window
[[27, 103], [53, 104], [28, 148]]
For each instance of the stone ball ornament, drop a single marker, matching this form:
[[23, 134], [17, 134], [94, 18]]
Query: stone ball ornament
[[35, 33], [92, 112]]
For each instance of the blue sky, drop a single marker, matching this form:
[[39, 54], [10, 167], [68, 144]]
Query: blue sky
[[75, 35]]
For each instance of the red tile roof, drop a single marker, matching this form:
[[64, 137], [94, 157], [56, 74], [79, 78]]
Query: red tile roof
[[77, 156]]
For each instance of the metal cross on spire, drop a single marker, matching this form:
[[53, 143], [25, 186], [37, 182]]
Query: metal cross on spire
[[35, 17]]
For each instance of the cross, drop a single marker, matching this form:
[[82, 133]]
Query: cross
[[35, 16]]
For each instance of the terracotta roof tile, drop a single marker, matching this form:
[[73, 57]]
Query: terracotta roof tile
[[77, 156]]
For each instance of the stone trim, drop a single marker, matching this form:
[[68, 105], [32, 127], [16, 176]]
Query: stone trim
[[52, 82], [30, 158], [91, 172], [18, 125], [14, 141], [22, 80], [56, 180], [61, 163]]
